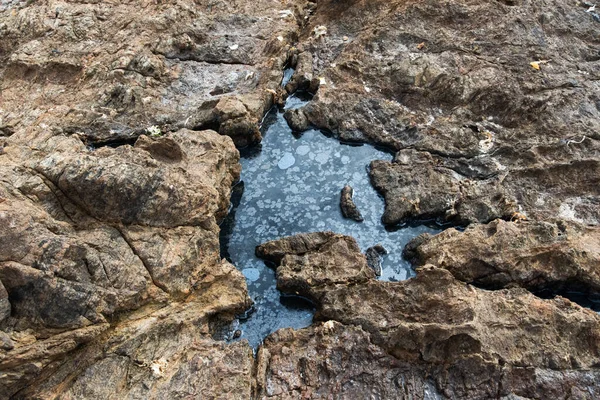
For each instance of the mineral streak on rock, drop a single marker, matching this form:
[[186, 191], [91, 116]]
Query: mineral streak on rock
[[349, 209]]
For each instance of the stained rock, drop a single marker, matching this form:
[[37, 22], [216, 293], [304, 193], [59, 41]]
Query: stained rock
[[560, 256], [349, 208], [99, 234]]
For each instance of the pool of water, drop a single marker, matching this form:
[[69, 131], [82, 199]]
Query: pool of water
[[291, 184]]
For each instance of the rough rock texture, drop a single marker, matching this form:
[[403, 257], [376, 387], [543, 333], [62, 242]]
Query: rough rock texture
[[349, 208], [534, 255], [110, 274], [111, 280], [374, 255], [334, 361], [310, 262], [296, 119], [490, 135], [471, 343], [112, 70], [90, 236]]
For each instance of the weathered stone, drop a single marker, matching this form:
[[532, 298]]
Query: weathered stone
[[162, 67], [472, 343], [303, 79], [296, 119], [374, 255], [558, 256], [4, 303], [309, 263], [349, 208], [99, 235], [333, 360]]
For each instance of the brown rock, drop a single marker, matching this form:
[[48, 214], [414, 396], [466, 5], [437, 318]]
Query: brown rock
[[98, 235], [473, 343], [559, 256], [162, 67], [333, 360], [349, 208], [296, 119], [308, 263]]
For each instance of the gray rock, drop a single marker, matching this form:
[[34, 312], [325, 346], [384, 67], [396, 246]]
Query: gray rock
[[374, 255]]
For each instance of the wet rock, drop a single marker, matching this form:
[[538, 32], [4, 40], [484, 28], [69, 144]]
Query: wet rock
[[349, 209], [296, 120], [559, 256], [309, 263], [374, 255]]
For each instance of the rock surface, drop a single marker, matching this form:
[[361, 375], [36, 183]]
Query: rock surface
[[296, 120], [309, 263], [349, 208], [471, 343], [374, 255], [558, 257], [91, 236], [119, 123], [484, 134], [112, 184]]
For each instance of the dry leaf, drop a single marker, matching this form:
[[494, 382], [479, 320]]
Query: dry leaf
[[536, 64], [421, 45]]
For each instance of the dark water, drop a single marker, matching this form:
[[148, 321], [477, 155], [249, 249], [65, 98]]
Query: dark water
[[291, 184]]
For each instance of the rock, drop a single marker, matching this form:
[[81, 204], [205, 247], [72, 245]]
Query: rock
[[156, 68], [309, 263], [164, 350], [558, 257], [4, 303], [303, 78], [6, 342], [290, 365], [374, 255], [296, 119], [498, 142], [235, 121], [349, 209], [473, 343], [99, 234]]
